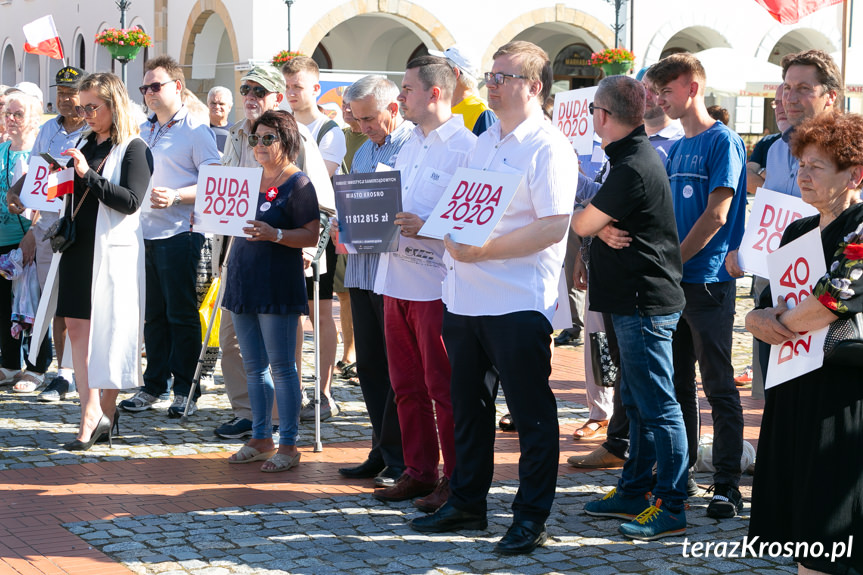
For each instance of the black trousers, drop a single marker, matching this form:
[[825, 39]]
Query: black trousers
[[519, 346], [367, 311], [10, 347]]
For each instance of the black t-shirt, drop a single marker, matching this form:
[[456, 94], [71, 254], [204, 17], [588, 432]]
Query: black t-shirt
[[644, 277], [759, 152]]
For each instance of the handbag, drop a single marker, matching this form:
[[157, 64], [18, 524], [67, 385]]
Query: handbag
[[605, 370], [61, 234], [844, 343]]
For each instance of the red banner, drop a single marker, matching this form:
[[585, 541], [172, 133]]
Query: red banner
[[790, 11]]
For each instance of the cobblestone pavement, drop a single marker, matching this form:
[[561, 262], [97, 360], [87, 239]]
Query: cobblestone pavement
[[352, 532]]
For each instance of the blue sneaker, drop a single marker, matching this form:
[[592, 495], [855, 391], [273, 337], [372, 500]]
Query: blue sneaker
[[655, 523], [614, 504]]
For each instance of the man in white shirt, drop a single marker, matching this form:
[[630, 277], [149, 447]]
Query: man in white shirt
[[500, 299], [410, 281], [181, 145], [302, 89]]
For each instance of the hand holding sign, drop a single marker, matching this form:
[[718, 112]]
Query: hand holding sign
[[794, 269], [226, 199]]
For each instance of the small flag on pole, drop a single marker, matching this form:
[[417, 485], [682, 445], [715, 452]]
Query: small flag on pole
[[60, 183], [42, 38], [791, 11]]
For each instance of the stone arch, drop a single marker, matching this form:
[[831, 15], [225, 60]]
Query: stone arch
[[416, 17], [809, 38], [560, 14], [702, 23], [198, 17]]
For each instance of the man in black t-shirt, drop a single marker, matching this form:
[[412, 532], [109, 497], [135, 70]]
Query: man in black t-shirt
[[639, 285]]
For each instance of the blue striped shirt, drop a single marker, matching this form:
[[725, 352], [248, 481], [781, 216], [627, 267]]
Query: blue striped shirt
[[362, 268]]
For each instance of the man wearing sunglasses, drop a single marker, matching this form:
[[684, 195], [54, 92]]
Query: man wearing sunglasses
[[181, 145], [500, 299], [262, 89], [55, 137]]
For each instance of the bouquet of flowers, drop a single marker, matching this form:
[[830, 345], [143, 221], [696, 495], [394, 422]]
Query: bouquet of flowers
[[124, 37], [283, 56], [612, 56]]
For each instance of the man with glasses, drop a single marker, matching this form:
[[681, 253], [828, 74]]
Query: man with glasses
[[181, 145], [707, 171], [262, 89], [55, 137], [500, 299], [644, 308]]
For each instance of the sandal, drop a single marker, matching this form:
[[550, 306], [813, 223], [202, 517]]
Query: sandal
[[591, 428], [349, 370], [282, 462], [8, 375], [248, 454], [506, 423], [28, 382]]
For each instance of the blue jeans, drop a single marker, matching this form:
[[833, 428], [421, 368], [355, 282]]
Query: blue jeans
[[268, 341], [656, 430], [172, 328]]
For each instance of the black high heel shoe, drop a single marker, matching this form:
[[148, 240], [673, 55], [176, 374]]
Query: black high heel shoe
[[104, 426], [116, 433]]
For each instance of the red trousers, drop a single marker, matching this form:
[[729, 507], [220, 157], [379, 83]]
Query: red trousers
[[420, 376]]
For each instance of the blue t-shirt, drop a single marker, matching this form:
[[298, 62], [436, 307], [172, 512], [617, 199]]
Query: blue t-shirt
[[715, 158], [266, 277]]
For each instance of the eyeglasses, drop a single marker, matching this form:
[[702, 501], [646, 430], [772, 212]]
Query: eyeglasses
[[499, 78], [773, 104], [591, 108], [267, 140], [88, 111], [18, 115], [155, 87], [259, 91]]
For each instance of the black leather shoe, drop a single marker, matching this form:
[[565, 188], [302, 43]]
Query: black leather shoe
[[388, 476], [448, 518], [566, 337], [522, 537], [364, 470]]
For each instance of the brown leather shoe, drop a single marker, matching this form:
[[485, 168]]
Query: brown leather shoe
[[437, 498], [405, 488], [599, 458]]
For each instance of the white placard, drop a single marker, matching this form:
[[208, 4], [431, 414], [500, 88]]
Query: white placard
[[572, 117], [794, 269], [562, 318], [34, 194], [472, 205], [226, 199], [771, 214]]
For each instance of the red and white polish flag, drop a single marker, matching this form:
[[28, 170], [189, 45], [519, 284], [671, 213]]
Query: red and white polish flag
[[60, 183], [791, 11], [42, 38]]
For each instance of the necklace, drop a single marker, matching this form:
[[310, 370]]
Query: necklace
[[276, 179]]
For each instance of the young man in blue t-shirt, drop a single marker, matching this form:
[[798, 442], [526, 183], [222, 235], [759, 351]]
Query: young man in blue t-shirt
[[707, 171]]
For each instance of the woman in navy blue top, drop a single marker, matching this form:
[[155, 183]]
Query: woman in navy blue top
[[265, 289]]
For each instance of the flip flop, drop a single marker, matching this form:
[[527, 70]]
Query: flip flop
[[591, 428], [248, 454], [282, 462]]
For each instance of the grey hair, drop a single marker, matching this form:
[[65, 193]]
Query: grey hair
[[29, 103], [384, 91], [624, 96], [226, 93]]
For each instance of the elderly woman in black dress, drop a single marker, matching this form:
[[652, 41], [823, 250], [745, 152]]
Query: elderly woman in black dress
[[809, 473]]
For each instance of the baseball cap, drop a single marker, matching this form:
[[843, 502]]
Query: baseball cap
[[68, 76], [30, 89], [268, 77], [459, 58]]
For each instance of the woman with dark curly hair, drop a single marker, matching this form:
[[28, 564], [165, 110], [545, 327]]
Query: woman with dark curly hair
[[265, 289], [809, 474]]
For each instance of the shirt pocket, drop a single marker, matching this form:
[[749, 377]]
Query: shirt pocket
[[430, 186]]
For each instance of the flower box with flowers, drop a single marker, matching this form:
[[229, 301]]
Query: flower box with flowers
[[285, 56], [123, 44], [613, 61]]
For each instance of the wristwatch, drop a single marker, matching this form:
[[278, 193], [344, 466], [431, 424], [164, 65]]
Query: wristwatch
[[177, 198], [279, 236]]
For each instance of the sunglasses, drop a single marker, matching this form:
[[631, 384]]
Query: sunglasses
[[154, 87], [499, 78], [18, 115], [267, 140], [259, 91], [591, 108], [88, 111]]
